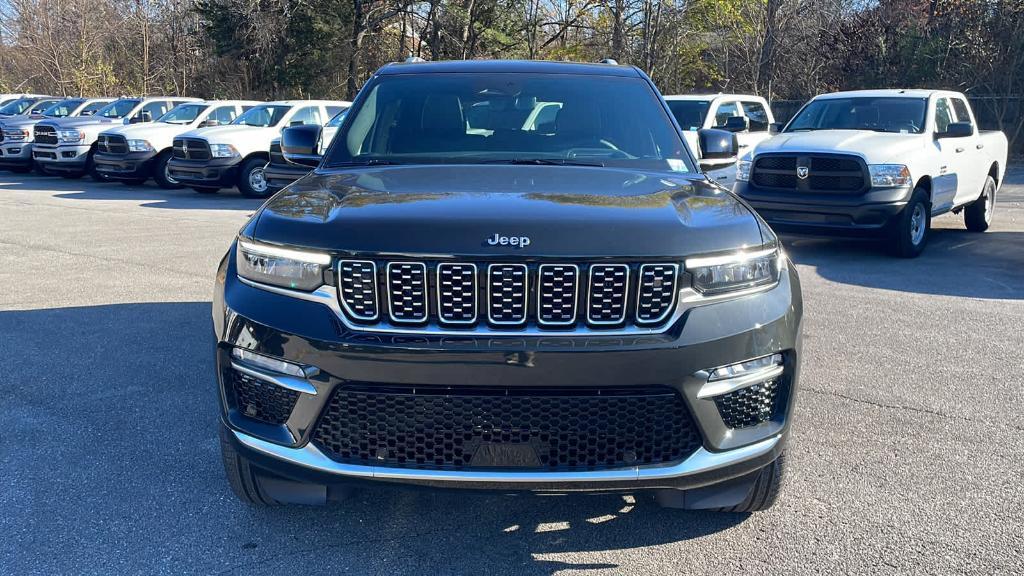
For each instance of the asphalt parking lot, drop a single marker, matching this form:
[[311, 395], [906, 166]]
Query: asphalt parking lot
[[907, 454]]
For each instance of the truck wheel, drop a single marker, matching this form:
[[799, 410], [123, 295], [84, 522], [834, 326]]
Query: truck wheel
[[252, 180], [910, 230], [161, 175], [978, 214], [90, 169], [242, 478]]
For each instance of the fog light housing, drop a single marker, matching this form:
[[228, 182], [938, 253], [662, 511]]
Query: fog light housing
[[268, 363], [746, 368]]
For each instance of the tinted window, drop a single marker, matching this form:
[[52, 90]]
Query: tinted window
[[41, 106], [184, 114], [265, 115], [962, 114], [882, 114], [118, 108], [62, 109], [725, 111], [422, 118], [689, 114], [307, 115], [18, 106], [943, 115], [92, 107], [757, 116]]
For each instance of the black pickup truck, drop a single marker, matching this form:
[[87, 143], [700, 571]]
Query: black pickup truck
[[508, 275]]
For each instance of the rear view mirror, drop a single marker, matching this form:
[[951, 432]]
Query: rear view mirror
[[736, 124], [301, 144], [718, 148], [956, 130]]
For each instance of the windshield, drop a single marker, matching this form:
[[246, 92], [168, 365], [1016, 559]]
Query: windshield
[[263, 116], [338, 119], [18, 106], [689, 113], [511, 118], [884, 114], [117, 108], [62, 108], [183, 114]]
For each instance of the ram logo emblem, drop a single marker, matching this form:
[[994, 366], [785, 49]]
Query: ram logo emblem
[[802, 172]]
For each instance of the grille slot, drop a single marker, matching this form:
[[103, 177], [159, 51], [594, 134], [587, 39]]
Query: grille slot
[[456, 293], [407, 291], [507, 293], [357, 280], [262, 400], [557, 291], [112, 144], [190, 149], [656, 292], [445, 428], [825, 173], [752, 405], [43, 134], [609, 288]]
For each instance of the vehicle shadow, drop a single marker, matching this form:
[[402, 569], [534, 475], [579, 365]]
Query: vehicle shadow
[[121, 398], [955, 263]]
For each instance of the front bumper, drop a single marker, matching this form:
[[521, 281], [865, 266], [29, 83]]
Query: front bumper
[[280, 175], [309, 333], [62, 158], [219, 172], [864, 213], [122, 166], [15, 154]]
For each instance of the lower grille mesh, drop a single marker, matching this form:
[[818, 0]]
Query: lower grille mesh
[[751, 406], [262, 400], [586, 429]]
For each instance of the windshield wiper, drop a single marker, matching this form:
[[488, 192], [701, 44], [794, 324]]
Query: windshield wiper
[[544, 162]]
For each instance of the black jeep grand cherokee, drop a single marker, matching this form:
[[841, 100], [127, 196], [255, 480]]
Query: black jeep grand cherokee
[[507, 275]]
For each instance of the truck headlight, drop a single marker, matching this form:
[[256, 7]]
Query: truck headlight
[[279, 266], [733, 272], [889, 175], [222, 150], [17, 135], [72, 136], [743, 170], [139, 146]]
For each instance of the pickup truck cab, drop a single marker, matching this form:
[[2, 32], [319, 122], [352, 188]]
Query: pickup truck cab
[[877, 161], [746, 115], [67, 146], [27, 105], [16, 132], [281, 171], [134, 153], [208, 159]]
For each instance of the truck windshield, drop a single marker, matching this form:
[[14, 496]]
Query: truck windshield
[[183, 114], [511, 118], [117, 108], [18, 106], [880, 114], [263, 116], [689, 114], [62, 108]]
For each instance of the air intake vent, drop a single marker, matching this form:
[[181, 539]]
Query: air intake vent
[[456, 293], [609, 287], [407, 291], [506, 293], [656, 292], [358, 282], [556, 294]]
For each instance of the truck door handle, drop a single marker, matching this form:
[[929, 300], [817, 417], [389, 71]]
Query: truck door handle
[[980, 146], [959, 150]]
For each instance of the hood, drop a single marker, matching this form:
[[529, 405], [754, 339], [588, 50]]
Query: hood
[[23, 121], [148, 129], [82, 121], [230, 133], [873, 147], [565, 211]]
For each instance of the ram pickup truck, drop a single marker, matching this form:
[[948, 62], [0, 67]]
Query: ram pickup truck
[[879, 162], [208, 159], [27, 105], [67, 146], [16, 132], [748, 116], [503, 305], [281, 172], [134, 153]]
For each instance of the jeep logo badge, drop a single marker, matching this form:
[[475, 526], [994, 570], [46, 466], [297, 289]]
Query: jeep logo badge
[[802, 172], [514, 241]]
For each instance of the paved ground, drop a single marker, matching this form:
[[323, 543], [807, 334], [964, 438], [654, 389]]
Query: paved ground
[[908, 453]]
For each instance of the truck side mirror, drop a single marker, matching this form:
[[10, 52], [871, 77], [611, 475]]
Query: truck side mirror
[[736, 124], [301, 144], [775, 127], [209, 122], [956, 130], [718, 148]]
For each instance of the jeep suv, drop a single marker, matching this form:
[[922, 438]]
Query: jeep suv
[[458, 297]]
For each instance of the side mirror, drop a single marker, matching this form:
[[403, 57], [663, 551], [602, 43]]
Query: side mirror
[[775, 127], [301, 144], [956, 130], [736, 124], [718, 148], [87, 113], [208, 123]]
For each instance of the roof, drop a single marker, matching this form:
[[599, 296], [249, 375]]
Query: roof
[[252, 102], [891, 92], [508, 66], [708, 97], [297, 102]]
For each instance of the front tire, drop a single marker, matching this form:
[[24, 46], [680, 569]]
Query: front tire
[[911, 228], [978, 214], [766, 488], [242, 477], [161, 175], [252, 180]]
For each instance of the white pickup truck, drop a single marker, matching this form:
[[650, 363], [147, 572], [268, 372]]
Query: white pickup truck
[[876, 161], [748, 116]]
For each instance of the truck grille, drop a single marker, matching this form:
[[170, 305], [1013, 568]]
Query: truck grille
[[519, 428], [112, 144], [824, 173], [190, 149], [45, 134], [511, 296]]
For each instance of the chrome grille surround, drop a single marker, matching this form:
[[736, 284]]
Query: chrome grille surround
[[507, 293], [357, 283], [607, 294], [557, 294], [407, 292], [656, 292], [456, 291]]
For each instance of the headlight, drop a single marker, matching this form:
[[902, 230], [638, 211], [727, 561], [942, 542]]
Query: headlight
[[733, 272], [222, 150], [72, 135], [889, 175], [285, 267], [139, 146], [17, 135], [743, 170]]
